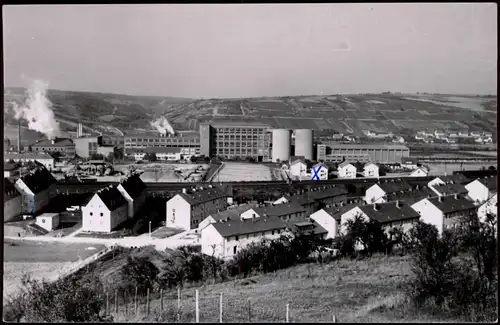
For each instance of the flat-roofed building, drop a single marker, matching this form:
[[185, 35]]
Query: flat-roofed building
[[376, 153]]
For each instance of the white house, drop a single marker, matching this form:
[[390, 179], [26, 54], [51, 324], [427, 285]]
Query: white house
[[41, 157], [346, 170], [488, 207], [188, 209], [319, 172], [377, 193], [478, 191], [448, 189], [48, 221], [225, 239], [12, 201], [285, 212], [107, 209], [419, 172], [327, 221], [444, 211], [370, 170], [37, 189], [298, 168], [232, 213], [133, 190]]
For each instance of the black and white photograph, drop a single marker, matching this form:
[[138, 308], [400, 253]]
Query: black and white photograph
[[250, 163]]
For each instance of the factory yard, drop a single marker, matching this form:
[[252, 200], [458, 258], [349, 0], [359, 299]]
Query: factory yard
[[172, 172], [243, 172], [40, 260]]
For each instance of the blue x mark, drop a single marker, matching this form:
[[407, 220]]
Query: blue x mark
[[316, 171]]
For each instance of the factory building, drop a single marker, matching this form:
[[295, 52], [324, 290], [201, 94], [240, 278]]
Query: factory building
[[85, 147], [188, 141], [63, 145], [280, 147], [230, 139], [304, 143], [336, 152]]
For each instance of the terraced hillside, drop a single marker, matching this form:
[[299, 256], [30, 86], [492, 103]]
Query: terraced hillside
[[340, 113]]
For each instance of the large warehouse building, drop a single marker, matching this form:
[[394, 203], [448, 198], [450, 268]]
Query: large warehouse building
[[189, 142], [377, 153]]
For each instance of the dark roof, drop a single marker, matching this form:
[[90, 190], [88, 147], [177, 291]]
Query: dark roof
[[490, 182], [9, 190], [319, 194], [10, 166], [204, 195], [451, 204], [295, 226], [58, 142], [455, 178], [412, 196], [338, 211], [293, 158], [394, 187], [27, 155], [111, 197], [278, 210], [38, 179], [448, 189], [233, 213], [345, 163], [388, 212], [133, 185], [248, 226], [409, 160]]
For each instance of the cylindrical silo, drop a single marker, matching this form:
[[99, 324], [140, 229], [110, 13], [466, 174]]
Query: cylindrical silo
[[304, 143], [281, 145]]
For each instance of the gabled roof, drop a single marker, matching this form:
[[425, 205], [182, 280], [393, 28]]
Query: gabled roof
[[394, 187], [278, 210], [38, 179], [234, 213], [490, 182], [389, 212], [455, 178], [111, 197], [451, 204], [321, 194], [9, 190], [205, 195], [448, 189], [58, 142], [320, 164], [344, 164], [248, 226], [296, 161], [133, 185], [337, 212], [27, 155], [413, 196], [368, 164]]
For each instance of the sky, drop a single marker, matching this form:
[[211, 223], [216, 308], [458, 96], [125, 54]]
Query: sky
[[222, 50]]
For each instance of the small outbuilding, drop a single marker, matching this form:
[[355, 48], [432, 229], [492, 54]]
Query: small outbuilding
[[48, 221]]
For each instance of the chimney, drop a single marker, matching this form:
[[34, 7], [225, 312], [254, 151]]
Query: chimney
[[184, 191], [53, 141], [456, 196], [375, 207], [440, 198], [398, 204], [19, 137]]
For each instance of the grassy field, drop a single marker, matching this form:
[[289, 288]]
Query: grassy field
[[368, 290], [246, 172]]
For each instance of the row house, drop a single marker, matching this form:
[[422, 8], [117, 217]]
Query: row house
[[370, 170], [481, 189], [284, 211], [133, 190], [317, 197], [12, 201], [377, 193], [346, 170], [232, 213], [187, 209], [329, 218], [37, 189]]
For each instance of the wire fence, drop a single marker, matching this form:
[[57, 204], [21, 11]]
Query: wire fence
[[194, 306]]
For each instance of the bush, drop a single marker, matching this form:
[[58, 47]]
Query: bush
[[66, 300], [140, 273]]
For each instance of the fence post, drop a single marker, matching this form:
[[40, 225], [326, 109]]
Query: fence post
[[220, 308], [116, 303], [126, 302], [135, 301], [287, 313], [107, 303], [197, 308], [147, 302], [161, 300], [334, 319], [249, 311]]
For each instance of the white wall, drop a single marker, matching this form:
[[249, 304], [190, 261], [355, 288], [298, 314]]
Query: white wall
[[210, 236], [430, 214], [93, 221], [48, 223], [418, 173], [298, 169], [178, 213], [249, 214], [133, 205], [12, 209], [281, 200], [206, 222], [30, 201], [348, 171], [326, 221], [488, 207], [376, 193], [435, 181], [477, 191], [371, 171]]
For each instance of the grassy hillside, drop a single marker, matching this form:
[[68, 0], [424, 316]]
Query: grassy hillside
[[369, 290]]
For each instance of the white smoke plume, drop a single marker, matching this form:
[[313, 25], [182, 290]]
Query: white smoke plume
[[37, 111], [163, 126]]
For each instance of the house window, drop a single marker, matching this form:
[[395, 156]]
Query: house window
[[234, 249], [272, 232], [102, 214], [43, 220], [236, 238], [91, 213]]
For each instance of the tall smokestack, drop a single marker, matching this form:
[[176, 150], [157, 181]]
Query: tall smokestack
[[19, 137]]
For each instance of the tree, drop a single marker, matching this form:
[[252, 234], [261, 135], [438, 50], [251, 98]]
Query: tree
[[151, 156], [96, 156], [118, 154], [140, 273], [193, 159]]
